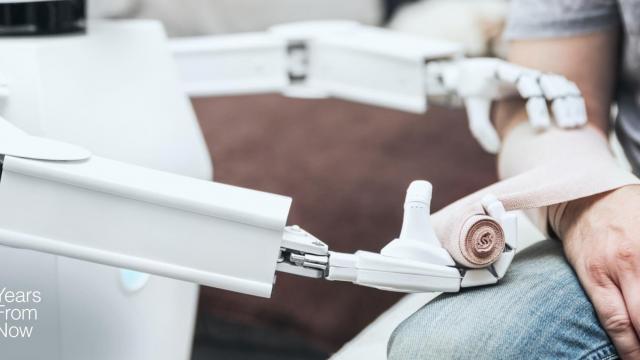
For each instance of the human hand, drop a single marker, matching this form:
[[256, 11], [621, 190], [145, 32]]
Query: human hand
[[601, 238]]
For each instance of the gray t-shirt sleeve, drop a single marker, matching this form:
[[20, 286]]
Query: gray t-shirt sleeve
[[530, 19]]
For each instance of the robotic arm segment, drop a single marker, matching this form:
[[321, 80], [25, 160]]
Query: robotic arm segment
[[316, 59], [392, 274], [374, 66], [300, 38], [123, 215], [231, 64]]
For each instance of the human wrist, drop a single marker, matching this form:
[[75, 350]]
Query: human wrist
[[565, 217], [593, 209]]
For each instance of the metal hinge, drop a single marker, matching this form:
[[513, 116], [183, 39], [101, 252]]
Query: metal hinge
[[297, 62], [303, 254]]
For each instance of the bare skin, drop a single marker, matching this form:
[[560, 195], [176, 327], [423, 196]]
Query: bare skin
[[600, 234]]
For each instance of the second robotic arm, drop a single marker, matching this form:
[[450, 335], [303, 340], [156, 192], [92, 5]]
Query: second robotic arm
[[375, 66]]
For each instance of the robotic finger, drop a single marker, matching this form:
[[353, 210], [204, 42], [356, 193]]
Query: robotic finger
[[526, 83], [567, 104], [566, 101]]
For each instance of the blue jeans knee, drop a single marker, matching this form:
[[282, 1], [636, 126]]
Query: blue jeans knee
[[538, 311]]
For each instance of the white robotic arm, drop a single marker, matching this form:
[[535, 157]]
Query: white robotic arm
[[60, 199], [374, 66]]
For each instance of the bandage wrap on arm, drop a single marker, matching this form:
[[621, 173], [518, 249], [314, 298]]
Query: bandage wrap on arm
[[540, 172]]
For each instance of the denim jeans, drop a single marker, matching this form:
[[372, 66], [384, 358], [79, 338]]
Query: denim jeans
[[538, 311]]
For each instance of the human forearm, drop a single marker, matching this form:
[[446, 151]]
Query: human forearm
[[599, 232], [590, 61]]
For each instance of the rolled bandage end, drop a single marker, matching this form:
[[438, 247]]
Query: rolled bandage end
[[482, 241]]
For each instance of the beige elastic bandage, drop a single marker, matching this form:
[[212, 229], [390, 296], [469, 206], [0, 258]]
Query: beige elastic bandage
[[541, 172]]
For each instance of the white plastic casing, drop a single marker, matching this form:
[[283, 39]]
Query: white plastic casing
[[231, 64], [375, 66], [392, 274], [117, 214], [332, 58]]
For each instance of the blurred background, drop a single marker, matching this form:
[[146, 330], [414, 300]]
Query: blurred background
[[345, 165]]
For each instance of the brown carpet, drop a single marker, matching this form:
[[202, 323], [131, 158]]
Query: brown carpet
[[347, 167]]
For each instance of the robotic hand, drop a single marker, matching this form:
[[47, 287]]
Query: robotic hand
[[414, 262], [477, 82]]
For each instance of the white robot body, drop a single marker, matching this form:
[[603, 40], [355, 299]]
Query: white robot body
[[107, 90]]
